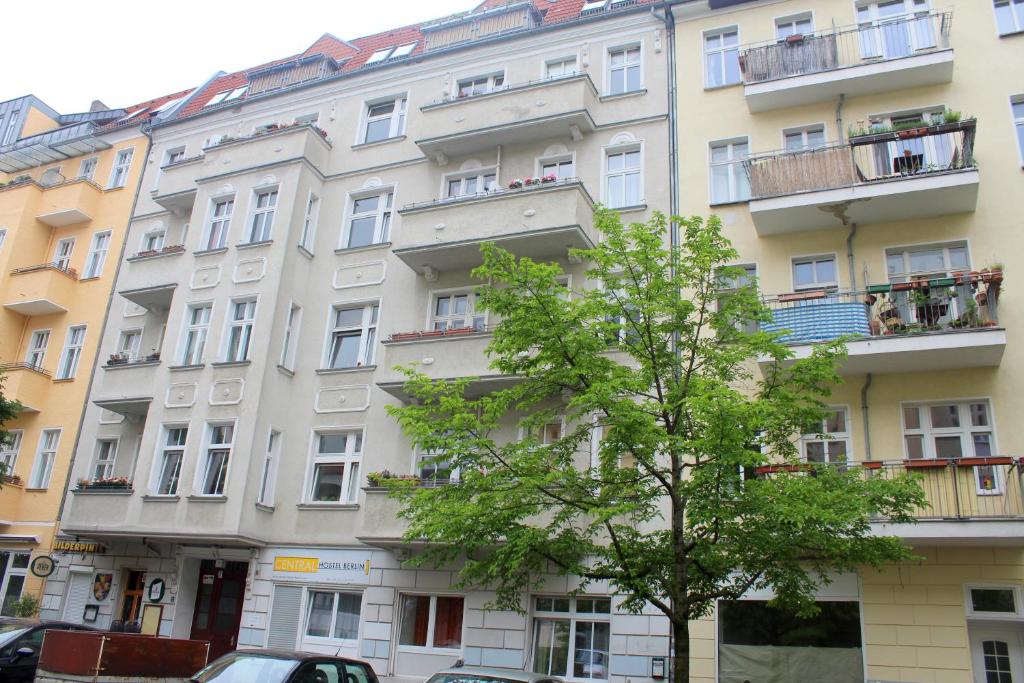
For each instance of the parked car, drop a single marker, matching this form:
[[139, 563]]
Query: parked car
[[477, 674], [20, 642], [284, 666]]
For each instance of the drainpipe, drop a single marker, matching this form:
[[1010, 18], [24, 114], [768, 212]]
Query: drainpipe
[[839, 117], [864, 414], [849, 257]]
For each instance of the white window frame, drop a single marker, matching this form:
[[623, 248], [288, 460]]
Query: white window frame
[[368, 333], [3, 237], [160, 459], [173, 155], [97, 256], [835, 437], [720, 32], [965, 432], [201, 330], [310, 219], [383, 215], [904, 250], [431, 623], [87, 168], [625, 67], [246, 326], [62, 256], [735, 163], [572, 616], [478, 321], [790, 21], [121, 167], [561, 62], [107, 463], [268, 475], [153, 240], [1018, 22], [351, 459], [42, 467], [71, 354], [1018, 121], [398, 117], [261, 218], [10, 449], [330, 640], [815, 259], [559, 160], [204, 471], [290, 343], [479, 175], [223, 222], [606, 175], [491, 82], [36, 348], [132, 351], [1018, 602], [804, 132]]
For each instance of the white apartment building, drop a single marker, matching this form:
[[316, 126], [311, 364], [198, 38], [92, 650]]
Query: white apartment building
[[303, 228]]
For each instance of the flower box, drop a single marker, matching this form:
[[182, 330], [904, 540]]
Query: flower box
[[112, 484], [929, 463], [460, 330], [404, 336]]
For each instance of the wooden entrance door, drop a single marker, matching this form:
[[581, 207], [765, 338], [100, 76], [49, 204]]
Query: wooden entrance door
[[131, 602], [218, 610]]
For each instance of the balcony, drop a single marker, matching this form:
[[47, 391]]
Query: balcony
[[936, 324], [908, 52], [45, 289], [379, 523], [540, 221], [524, 113], [281, 144], [441, 355], [68, 203], [26, 384], [125, 386], [150, 278], [176, 186], [875, 177]]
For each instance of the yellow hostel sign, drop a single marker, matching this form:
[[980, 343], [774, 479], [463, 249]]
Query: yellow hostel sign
[[306, 565], [320, 565]]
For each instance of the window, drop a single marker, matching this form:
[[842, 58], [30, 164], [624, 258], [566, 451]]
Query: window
[[106, 453], [129, 342], [624, 73], [335, 475], [42, 468], [1018, 118], [385, 120], [814, 272], [226, 96], [801, 139], [887, 32], [291, 336], [220, 222], [465, 184], [153, 240], [797, 25], [829, 440], [309, 221], [935, 260], [87, 169], [403, 50], [432, 465], [172, 452], [560, 168], [197, 324], [11, 134], [72, 352], [1009, 16], [380, 55], [480, 84], [623, 179], [571, 637], [97, 254], [119, 173], [62, 254], [729, 181], [174, 155], [267, 478], [431, 621], [9, 450], [263, 216], [994, 601], [456, 310], [370, 222], [13, 569], [353, 336], [333, 615], [566, 66], [3, 237], [243, 317], [37, 348], [953, 429], [214, 472], [729, 285], [722, 58]]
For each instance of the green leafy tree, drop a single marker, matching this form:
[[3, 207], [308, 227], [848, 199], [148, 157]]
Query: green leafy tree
[[666, 508], [9, 410]]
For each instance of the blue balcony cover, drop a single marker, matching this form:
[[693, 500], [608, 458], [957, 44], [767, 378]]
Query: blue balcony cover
[[819, 321]]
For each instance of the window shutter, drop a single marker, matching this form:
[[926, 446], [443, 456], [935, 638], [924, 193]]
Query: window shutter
[[285, 614], [79, 584]]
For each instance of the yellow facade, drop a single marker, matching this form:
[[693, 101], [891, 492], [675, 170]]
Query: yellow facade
[[916, 625], [41, 292]]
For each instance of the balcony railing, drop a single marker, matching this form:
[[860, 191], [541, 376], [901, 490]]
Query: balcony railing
[[8, 367], [70, 272], [966, 301], [844, 47], [518, 186], [868, 157]]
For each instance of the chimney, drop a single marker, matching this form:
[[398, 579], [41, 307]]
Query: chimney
[[98, 106]]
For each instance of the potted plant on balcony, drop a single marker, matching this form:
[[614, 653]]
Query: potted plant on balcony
[[549, 178], [105, 484], [153, 356], [119, 358], [515, 184]]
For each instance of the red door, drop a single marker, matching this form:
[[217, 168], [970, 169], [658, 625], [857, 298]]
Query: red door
[[218, 610]]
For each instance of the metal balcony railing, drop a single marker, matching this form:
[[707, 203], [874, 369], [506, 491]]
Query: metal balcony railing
[[845, 47], [966, 301], [9, 367], [870, 156], [53, 265], [515, 187]]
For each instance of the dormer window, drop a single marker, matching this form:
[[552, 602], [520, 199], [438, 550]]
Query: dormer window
[[227, 95], [403, 50], [380, 55]]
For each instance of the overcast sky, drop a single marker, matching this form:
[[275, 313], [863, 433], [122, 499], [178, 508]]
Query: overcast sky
[[120, 52]]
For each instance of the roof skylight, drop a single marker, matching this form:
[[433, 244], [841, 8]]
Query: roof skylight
[[380, 55], [593, 6], [403, 50]]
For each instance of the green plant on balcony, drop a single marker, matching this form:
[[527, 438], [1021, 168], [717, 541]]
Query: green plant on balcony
[[951, 116], [383, 478], [105, 484]]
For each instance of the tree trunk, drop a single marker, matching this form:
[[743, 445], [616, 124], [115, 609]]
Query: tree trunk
[[681, 652]]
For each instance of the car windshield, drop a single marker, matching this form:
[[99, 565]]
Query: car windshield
[[470, 678], [240, 668], [10, 631]]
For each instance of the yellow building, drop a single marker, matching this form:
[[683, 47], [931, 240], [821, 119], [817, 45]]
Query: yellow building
[[67, 187], [865, 158]]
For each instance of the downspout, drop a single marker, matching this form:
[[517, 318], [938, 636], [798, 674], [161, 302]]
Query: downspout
[[864, 415], [839, 118], [849, 257]]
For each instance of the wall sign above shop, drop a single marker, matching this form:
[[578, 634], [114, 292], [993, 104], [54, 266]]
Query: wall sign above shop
[[318, 565], [78, 547]]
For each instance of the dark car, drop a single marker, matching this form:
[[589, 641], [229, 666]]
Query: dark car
[[20, 643], [284, 666]]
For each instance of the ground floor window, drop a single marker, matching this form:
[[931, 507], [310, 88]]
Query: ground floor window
[[571, 636], [433, 621], [757, 642], [13, 569], [333, 615]]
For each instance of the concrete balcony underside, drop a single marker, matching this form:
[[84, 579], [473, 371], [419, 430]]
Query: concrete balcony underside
[[69, 203], [27, 385], [40, 290]]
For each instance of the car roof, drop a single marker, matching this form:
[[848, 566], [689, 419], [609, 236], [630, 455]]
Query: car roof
[[296, 655], [513, 674], [29, 623]]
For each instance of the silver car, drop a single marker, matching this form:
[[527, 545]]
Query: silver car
[[477, 674]]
